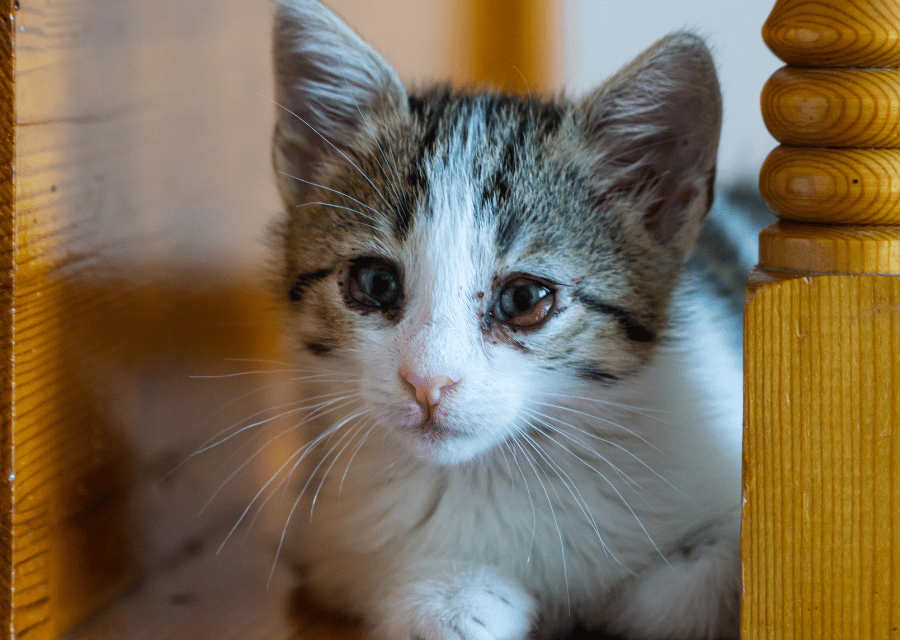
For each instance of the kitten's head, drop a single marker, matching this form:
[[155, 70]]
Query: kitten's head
[[465, 255]]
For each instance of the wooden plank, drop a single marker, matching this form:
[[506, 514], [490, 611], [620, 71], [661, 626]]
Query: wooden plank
[[7, 163], [822, 481]]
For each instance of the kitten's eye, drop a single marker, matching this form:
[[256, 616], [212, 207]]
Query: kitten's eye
[[524, 303], [372, 284]]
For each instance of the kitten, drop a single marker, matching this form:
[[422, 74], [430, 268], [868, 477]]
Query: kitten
[[529, 411]]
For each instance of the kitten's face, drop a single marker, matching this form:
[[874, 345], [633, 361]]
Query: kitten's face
[[464, 258]]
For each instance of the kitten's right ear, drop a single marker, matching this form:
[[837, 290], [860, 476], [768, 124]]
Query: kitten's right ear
[[328, 83], [652, 131]]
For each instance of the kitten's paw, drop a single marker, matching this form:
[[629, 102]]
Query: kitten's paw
[[472, 604]]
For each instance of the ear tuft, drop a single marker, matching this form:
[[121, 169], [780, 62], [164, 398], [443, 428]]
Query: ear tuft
[[328, 83], [653, 131]]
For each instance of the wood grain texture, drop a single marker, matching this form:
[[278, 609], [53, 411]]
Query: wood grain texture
[[833, 107], [835, 33], [820, 248], [7, 212], [848, 186], [821, 537]]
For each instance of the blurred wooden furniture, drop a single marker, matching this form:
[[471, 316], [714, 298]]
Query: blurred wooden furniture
[[821, 528], [117, 205]]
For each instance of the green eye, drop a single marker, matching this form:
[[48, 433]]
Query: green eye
[[524, 302], [373, 284]]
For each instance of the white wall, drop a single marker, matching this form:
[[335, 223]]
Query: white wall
[[599, 36]]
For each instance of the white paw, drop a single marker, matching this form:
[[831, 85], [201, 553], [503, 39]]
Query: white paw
[[472, 604]]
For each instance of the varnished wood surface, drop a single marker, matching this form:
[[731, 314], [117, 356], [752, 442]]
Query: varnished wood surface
[[848, 186], [124, 111], [833, 107], [819, 248], [835, 33], [821, 536], [820, 539], [7, 199]]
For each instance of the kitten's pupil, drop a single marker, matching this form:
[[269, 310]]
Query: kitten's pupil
[[375, 285], [524, 303], [378, 283]]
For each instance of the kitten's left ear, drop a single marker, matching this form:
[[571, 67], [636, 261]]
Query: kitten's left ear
[[328, 82], [652, 132]]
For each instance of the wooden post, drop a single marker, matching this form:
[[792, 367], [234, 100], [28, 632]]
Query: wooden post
[[821, 526]]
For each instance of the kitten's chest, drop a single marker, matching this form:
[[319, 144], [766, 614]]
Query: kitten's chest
[[553, 523]]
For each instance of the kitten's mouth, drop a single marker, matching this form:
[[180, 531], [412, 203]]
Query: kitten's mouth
[[433, 431]]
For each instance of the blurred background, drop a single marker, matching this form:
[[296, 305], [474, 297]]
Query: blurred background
[[143, 326], [180, 95]]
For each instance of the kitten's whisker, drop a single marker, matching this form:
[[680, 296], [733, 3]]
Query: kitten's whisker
[[290, 515], [349, 400], [299, 454], [280, 434], [323, 436], [257, 453], [352, 434], [338, 206], [530, 500], [285, 481], [610, 443], [628, 506], [539, 417], [567, 482], [596, 417], [340, 193], [301, 451], [641, 411], [239, 374], [362, 441], [509, 472], [562, 547], [326, 377], [222, 440], [261, 361]]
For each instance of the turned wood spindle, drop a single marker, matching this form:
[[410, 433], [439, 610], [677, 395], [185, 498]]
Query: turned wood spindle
[[821, 522]]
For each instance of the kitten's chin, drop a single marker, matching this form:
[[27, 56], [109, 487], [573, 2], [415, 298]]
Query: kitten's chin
[[431, 442]]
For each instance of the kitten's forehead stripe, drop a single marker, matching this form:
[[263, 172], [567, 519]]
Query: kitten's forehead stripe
[[500, 127]]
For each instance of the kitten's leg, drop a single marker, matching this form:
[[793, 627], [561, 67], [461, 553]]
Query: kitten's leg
[[453, 601], [694, 595]]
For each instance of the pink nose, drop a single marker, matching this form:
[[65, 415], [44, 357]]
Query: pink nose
[[428, 389]]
